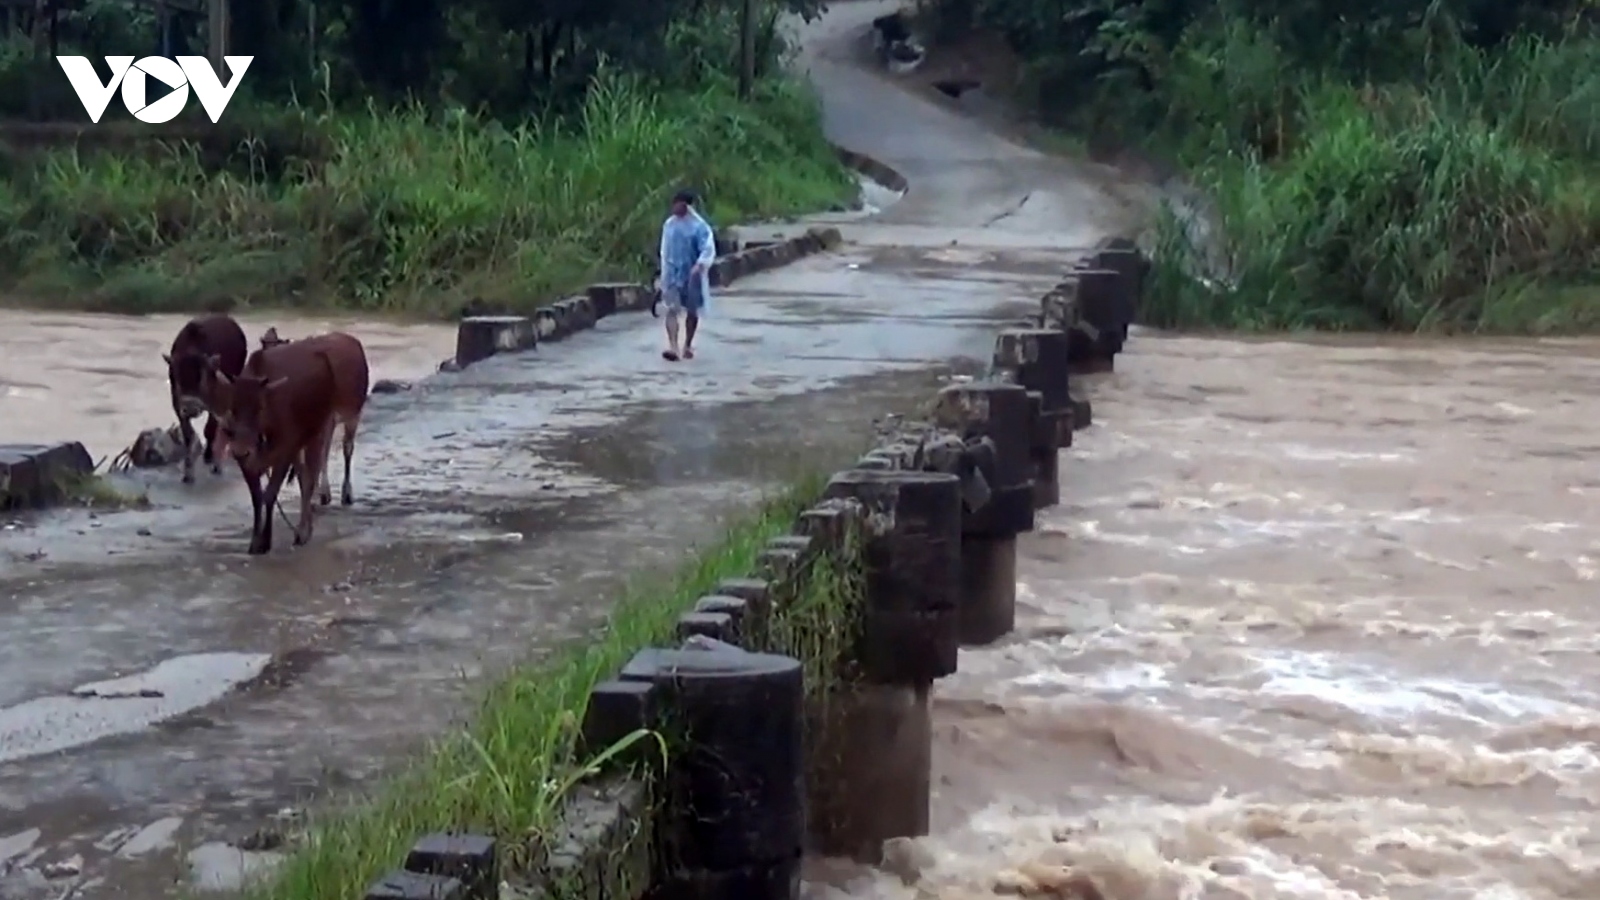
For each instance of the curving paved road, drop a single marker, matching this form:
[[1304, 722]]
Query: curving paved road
[[495, 508]]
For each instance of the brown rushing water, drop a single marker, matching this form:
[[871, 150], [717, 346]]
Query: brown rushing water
[[100, 379], [1313, 620]]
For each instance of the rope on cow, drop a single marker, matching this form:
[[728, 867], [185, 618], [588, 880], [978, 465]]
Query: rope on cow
[[278, 502]]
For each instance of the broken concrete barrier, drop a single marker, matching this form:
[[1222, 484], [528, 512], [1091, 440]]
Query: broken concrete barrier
[[613, 297], [909, 631], [480, 337], [1039, 360], [470, 859], [1000, 415], [38, 475], [733, 810], [762, 257]]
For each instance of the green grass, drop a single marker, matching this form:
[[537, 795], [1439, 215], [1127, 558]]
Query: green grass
[[1464, 199], [406, 212], [96, 492], [507, 773]]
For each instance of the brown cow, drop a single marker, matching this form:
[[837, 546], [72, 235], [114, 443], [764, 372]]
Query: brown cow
[[270, 339], [206, 344], [282, 411]]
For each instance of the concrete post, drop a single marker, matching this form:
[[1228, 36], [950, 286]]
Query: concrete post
[[1101, 305], [480, 337], [1039, 360], [1002, 414], [733, 816], [875, 740]]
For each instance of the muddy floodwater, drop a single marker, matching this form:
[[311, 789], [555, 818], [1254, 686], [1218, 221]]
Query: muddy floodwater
[[1312, 620], [99, 379]]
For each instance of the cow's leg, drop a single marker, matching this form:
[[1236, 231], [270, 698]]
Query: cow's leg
[[253, 482], [211, 455], [325, 490], [269, 501], [347, 495], [186, 432], [313, 459]]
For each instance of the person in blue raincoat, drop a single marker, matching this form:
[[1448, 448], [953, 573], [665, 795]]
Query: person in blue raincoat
[[687, 250]]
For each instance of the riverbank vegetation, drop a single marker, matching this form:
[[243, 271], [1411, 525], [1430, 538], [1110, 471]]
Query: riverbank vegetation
[[1412, 165], [508, 773], [406, 157]]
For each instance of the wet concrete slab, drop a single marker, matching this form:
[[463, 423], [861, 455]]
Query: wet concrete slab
[[127, 705]]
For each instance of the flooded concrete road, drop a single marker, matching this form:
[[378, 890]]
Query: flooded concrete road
[[163, 695], [1313, 620], [497, 512]]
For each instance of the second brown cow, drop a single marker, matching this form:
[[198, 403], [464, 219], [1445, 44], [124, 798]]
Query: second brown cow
[[204, 346], [282, 410]]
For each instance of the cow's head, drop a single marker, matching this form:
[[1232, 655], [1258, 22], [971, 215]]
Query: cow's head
[[189, 375], [250, 419]]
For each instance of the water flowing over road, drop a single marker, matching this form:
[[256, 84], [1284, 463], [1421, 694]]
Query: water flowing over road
[[1313, 620]]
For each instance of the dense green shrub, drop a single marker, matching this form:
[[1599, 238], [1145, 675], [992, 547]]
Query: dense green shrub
[[411, 211]]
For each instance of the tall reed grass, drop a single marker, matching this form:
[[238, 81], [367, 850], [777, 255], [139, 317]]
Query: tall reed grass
[[410, 211], [1464, 199]]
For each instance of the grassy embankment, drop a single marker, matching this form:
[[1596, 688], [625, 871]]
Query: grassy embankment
[[509, 770], [1364, 174], [1466, 199], [407, 213]]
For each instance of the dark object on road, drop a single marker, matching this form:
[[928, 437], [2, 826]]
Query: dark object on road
[[282, 410], [892, 27], [205, 345], [35, 475], [271, 339], [155, 447], [390, 386]]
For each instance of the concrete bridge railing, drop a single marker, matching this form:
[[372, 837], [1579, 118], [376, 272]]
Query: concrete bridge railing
[[793, 713]]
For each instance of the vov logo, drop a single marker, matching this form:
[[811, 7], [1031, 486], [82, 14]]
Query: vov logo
[[134, 77]]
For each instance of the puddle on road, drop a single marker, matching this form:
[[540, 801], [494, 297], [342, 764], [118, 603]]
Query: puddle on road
[[103, 709], [222, 867]]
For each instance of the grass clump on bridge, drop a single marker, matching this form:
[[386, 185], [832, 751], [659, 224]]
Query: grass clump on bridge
[[411, 211], [507, 773]]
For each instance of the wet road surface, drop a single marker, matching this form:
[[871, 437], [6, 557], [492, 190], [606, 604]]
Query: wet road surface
[[161, 693]]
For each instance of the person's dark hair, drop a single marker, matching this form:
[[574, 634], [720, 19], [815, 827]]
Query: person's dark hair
[[684, 196]]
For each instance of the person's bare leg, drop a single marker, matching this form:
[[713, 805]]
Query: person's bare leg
[[671, 353], [691, 324]]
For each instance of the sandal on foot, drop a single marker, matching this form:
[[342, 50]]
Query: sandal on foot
[[669, 356]]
